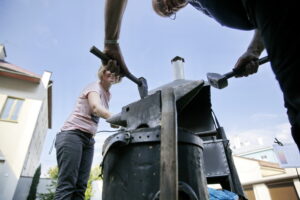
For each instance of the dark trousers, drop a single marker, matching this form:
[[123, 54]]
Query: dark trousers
[[279, 25], [74, 154]]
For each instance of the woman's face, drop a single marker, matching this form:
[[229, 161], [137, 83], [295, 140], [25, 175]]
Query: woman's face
[[109, 77]]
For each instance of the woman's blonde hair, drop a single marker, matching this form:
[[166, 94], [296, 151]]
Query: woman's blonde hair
[[104, 68]]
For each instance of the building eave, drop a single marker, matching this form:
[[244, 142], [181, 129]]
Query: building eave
[[13, 71], [254, 150], [16, 75]]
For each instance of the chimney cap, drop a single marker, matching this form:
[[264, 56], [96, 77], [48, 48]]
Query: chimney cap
[[176, 58]]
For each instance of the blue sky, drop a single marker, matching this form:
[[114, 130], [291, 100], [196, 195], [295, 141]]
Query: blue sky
[[56, 36]]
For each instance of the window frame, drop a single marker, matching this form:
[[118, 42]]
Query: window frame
[[12, 109], [2, 159]]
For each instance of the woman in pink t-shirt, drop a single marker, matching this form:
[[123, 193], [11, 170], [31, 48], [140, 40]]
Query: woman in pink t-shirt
[[75, 143]]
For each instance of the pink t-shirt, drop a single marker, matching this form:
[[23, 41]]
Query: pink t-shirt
[[82, 118]]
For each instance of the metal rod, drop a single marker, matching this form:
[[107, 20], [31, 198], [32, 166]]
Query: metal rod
[[168, 148]]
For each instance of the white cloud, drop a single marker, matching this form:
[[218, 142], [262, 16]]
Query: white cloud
[[45, 36], [263, 116], [266, 134]]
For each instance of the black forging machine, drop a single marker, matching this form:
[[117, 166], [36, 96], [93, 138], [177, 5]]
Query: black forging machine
[[170, 148], [171, 144]]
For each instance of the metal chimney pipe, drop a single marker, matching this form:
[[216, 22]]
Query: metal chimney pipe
[[178, 67], [2, 52]]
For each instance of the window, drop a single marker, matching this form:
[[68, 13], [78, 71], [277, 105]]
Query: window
[[11, 109], [2, 159], [264, 157]]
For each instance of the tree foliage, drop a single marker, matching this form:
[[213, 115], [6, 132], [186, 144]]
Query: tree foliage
[[94, 175], [34, 184], [53, 174]]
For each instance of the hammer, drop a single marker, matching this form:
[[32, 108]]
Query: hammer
[[141, 82], [220, 81]]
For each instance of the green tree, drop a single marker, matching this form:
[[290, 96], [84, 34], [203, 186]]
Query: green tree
[[94, 175], [34, 184], [53, 174]]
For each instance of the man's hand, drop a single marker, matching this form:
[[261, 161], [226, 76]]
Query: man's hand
[[247, 64], [114, 52]]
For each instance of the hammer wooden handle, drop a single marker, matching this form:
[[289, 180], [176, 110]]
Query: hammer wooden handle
[[261, 61], [94, 50]]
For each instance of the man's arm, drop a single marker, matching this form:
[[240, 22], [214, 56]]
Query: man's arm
[[248, 62], [256, 46], [114, 10]]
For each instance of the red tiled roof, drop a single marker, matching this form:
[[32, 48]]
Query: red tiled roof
[[13, 71]]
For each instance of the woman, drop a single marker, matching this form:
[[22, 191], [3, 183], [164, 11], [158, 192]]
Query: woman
[[75, 143]]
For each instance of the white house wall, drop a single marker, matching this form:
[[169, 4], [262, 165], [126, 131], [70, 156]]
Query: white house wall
[[14, 145], [36, 146], [248, 170], [38, 138], [252, 173], [18, 139], [23, 188], [266, 155], [261, 192], [25, 89]]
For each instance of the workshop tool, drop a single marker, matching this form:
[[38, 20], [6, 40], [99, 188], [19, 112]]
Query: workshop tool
[[220, 81], [141, 82]]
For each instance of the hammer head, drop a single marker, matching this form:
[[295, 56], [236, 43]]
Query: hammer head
[[217, 80], [143, 87]]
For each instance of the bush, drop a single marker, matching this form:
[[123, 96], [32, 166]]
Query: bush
[[53, 174]]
